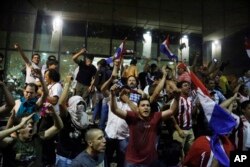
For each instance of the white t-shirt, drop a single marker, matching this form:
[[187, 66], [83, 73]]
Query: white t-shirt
[[29, 77], [55, 90]]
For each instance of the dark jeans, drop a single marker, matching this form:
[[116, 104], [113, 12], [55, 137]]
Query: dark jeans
[[101, 110], [118, 146]]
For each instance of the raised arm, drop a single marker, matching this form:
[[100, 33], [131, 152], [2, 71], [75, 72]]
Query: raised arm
[[10, 102], [197, 54], [125, 98], [75, 56], [62, 100], [45, 93], [25, 58], [53, 130], [225, 104], [113, 104], [168, 113], [160, 86], [106, 84], [7, 132]]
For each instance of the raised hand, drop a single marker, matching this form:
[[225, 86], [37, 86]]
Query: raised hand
[[83, 50], [16, 46], [25, 120], [69, 78]]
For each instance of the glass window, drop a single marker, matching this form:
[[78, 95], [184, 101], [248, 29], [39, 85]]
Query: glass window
[[49, 32], [119, 34], [73, 37], [44, 57], [67, 66], [22, 30], [99, 39], [14, 69], [147, 43]]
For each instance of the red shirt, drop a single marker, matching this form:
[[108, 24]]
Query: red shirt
[[199, 153], [142, 140]]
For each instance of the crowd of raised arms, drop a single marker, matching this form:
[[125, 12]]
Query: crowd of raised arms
[[119, 116]]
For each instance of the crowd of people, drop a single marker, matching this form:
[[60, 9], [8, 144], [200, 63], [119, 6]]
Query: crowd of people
[[149, 118]]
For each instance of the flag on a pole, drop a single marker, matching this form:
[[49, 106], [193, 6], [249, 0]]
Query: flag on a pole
[[247, 46], [118, 53], [164, 48], [220, 122], [197, 82]]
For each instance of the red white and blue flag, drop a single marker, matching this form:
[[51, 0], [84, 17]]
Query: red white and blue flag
[[247, 46], [164, 48], [219, 120], [118, 53]]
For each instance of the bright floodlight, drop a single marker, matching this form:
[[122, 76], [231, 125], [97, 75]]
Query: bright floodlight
[[57, 23]]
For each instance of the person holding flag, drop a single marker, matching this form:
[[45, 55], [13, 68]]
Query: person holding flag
[[220, 122], [118, 53]]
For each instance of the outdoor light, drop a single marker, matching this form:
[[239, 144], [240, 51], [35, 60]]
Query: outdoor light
[[57, 23]]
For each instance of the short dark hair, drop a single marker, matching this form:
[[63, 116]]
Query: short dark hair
[[102, 63], [133, 61], [54, 75], [35, 54], [142, 99], [52, 62], [31, 85], [89, 133], [52, 57]]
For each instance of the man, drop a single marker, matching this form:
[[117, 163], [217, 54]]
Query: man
[[182, 73], [201, 154], [183, 120], [116, 128], [29, 102], [75, 120], [245, 79], [51, 63], [93, 156], [217, 95], [26, 148], [143, 125], [30, 65], [85, 75]]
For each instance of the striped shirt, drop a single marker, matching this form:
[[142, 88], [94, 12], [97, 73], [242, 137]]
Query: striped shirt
[[184, 116], [240, 133]]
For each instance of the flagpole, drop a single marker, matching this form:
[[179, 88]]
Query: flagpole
[[121, 57]]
